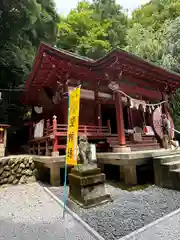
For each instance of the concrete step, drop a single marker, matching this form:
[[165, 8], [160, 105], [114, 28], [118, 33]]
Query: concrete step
[[142, 148], [130, 141], [176, 170], [137, 144], [127, 138], [168, 158], [172, 165]]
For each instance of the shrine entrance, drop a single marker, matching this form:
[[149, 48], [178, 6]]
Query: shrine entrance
[[109, 113]]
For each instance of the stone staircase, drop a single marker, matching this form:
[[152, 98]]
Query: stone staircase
[[167, 170], [147, 143]]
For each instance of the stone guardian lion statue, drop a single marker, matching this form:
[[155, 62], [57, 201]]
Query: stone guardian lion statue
[[85, 155]]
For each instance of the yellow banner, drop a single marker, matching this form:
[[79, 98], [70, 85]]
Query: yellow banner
[[73, 122]]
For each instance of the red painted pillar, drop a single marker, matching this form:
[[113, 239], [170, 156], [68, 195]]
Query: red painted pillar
[[55, 138], [120, 119]]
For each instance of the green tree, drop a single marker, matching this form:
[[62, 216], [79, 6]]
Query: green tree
[[109, 11], [156, 12], [171, 61], [92, 29], [80, 32], [144, 43], [23, 24]]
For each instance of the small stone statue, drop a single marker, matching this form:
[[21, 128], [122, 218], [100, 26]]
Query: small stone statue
[[85, 155]]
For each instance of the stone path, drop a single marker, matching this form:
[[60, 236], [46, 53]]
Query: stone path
[[27, 212]]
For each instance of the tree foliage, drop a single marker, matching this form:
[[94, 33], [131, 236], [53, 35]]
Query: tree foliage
[[144, 43], [23, 24], [156, 12], [93, 29]]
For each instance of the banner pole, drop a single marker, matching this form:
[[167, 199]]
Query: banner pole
[[65, 170], [72, 134], [65, 190]]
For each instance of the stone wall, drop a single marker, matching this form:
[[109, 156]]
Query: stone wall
[[17, 170]]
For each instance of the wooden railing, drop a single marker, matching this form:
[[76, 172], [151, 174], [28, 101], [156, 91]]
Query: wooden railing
[[53, 133], [61, 130], [89, 130]]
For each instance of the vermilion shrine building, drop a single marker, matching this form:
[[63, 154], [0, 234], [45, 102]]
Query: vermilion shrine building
[[114, 120]]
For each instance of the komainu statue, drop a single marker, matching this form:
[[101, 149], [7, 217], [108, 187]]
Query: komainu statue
[[85, 155]]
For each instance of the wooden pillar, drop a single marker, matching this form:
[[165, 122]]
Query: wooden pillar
[[55, 152], [47, 126], [120, 119], [165, 106], [99, 117]]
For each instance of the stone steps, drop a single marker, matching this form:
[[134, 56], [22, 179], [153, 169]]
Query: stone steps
[[147, 143], [172, 165], [167, 171]]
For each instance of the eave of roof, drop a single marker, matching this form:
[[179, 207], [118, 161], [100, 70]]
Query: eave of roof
[[94, 65]]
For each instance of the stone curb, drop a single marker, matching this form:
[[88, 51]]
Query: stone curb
[[96, 235], [150, 225]]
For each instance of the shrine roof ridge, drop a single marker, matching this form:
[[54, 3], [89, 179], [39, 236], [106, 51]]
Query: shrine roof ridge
[[50, 62], [92, 62]]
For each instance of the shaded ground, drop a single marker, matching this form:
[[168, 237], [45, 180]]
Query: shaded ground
[[27, 212], [129, 211]]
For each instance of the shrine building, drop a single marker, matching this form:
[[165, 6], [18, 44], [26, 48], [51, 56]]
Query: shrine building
[[122, 99]]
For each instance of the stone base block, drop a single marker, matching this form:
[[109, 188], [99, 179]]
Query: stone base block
[[55, 154], [121, 149], [87, 188]]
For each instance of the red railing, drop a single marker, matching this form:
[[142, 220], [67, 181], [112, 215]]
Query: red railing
[[61, 130]]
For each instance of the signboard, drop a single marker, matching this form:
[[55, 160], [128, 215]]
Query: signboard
[[93, 152], [39, 129], [73, 122]]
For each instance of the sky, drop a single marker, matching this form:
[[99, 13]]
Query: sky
[[65, 6]]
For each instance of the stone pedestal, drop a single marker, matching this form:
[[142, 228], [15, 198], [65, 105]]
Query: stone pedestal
[[130, 175], [86, 186], [121, 149]]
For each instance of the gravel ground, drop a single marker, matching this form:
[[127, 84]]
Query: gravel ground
[[27, 212], [168, 229], [129, 211]]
